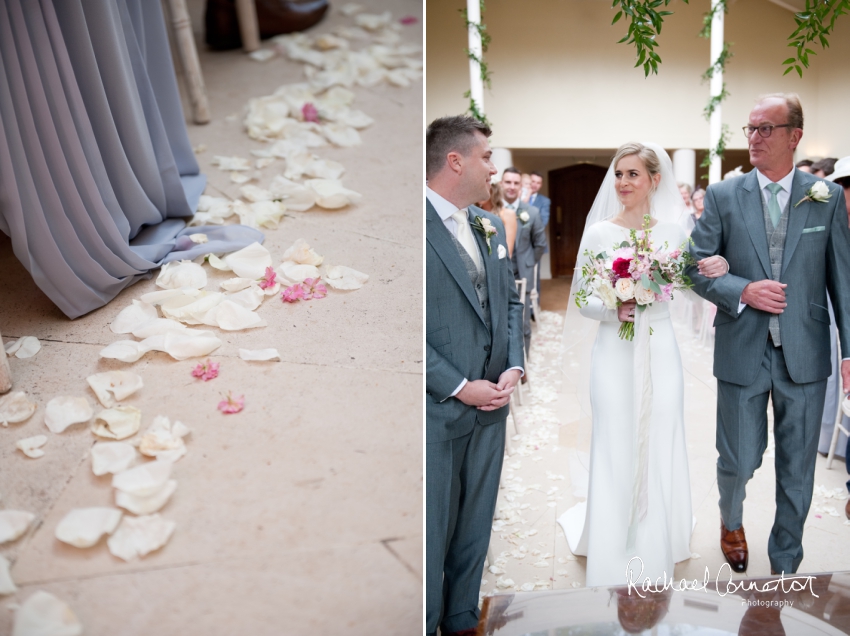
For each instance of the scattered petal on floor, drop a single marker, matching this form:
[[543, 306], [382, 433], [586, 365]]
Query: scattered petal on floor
[[16, 408], [372, 21], [42, 614], [228, 164], [132, 316], [301, 253], [7, 585], [119, 422], [177, 275], [347, 278], [31, 446], [13, 523], [350, 8], [232, 403], [249, 262], [296, 272], [157, 327], [64, 411], [237, 284], [114, 386], [252, 194], [230, 316], [112, 457], [259, 354], [146, 505], [331, 194], [262, 55], [25, 347], [138, 536], [206, 371], [83, 527], [144, 480], [212, 211], [124, 350], [296, 196], [164, 440]]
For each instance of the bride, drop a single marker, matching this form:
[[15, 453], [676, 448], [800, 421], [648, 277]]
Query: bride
[[639, 498]]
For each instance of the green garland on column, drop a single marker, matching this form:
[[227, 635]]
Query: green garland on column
[[714, 101], [481, 28]]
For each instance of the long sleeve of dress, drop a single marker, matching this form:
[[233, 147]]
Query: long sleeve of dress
[[595, 309]]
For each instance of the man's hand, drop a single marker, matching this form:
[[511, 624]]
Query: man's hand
[[507, 381], [479, 393], [626, 311], [767, 295], [713, 267], [845, 375]]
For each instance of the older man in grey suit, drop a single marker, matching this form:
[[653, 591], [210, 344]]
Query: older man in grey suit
[[530, 241], [785, 236], [473, 327]]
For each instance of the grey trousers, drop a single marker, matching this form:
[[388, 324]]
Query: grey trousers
[[742, 440], [461, 486]]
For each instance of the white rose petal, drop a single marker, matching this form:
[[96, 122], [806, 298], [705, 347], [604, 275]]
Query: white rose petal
[[229, 164], [297, 273], [249, 298], [146, 505], [42, 614], [164, 440], [259, 354], [178, 275], [13, 523], [264, 162], [15, 408], [237, 284], [132, 316], [625, 289], [124, 350], [83, 527], [158, 298], [331, 194], [143, 480], [112, 386], [297, 197], [254, 193], [347, 278], [218, 263], [249, 262], [372, 21], [240, 177], [157, 327], [137, 536], [31, 446], [184, 345], [120, 422], [262, 55], [300, 252], [64, 411], [342, 135], [232, 317], [111, 457], [199, 239], [191, 309], [25, 347], [7, 585], [606, 293]]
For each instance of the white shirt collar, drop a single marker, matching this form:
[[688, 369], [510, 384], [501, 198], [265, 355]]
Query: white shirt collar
[[444, 207], [785, 181], [515, 203]]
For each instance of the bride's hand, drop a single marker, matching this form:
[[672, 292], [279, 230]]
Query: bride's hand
[[713, 267], [626, 311]]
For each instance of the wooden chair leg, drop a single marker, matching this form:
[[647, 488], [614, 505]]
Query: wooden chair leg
[[5, 372], [249, 27], [187, 54]]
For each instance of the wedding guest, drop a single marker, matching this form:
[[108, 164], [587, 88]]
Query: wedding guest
[[497, 207], [805, 165], [543, 204], [525, 179], [473, 319], [824, 167], [697, 199], [686, 190]]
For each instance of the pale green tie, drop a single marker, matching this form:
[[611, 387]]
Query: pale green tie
[[773, 203]]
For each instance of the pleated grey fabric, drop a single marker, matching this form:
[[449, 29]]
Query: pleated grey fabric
[[97, 175]]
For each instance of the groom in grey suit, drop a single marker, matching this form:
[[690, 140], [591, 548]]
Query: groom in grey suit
[[786, 245], [473, 327]]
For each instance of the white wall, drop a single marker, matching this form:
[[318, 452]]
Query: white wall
[[561, 81]]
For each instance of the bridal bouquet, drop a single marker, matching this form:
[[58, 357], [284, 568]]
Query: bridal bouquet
[[635, 270]]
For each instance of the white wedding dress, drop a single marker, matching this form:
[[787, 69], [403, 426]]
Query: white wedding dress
[[598, 528]]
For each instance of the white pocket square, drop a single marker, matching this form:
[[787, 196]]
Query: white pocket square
[[819, 228], [502, 252]]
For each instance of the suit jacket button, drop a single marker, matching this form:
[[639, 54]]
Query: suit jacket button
[[486, 347]]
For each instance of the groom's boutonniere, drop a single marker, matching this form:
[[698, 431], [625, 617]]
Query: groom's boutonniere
[[523, 216], [486, 228], [818, 193]]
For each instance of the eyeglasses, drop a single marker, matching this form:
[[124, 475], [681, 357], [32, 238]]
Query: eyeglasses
[[764, 131]]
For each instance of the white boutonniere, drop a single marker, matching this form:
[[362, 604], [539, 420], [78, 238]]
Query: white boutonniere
[[502, 252], [523, 216], [818, 193], [486, 228]]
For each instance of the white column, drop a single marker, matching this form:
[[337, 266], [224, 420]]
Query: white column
[[716, 121], [502, 158], [476, 86], [684, 166]]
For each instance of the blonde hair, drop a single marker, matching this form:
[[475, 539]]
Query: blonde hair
[[646, 155]]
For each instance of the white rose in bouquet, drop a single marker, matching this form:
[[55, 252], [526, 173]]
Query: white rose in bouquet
[[644, 296], [606, 293], [625, 289]]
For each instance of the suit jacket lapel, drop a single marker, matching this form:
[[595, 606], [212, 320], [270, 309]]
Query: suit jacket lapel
[[797, 217], [491, 262], [750, 202], [441, 240]]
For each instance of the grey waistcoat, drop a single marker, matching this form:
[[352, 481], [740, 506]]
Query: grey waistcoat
[[478, 278], [776, 247]]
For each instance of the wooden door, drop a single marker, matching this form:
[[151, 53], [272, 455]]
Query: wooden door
[[572, 190]]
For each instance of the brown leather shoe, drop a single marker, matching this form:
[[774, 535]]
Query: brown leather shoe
[[733, 543]]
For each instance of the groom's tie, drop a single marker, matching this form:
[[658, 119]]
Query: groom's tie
[[773, 203], [464, 236]]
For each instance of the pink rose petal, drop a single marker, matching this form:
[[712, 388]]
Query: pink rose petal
[[232, 404]]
